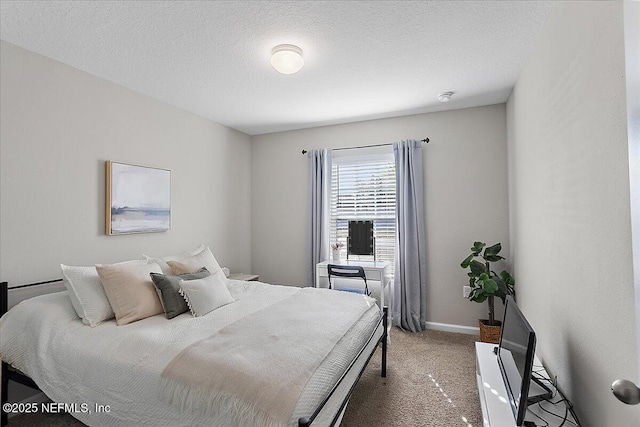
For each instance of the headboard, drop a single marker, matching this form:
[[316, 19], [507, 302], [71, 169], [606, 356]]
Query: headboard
[[4, 292]]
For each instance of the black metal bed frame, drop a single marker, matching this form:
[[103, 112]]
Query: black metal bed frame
[[11, 374]]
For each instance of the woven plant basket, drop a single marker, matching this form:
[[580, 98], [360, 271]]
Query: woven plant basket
[[490, 334]]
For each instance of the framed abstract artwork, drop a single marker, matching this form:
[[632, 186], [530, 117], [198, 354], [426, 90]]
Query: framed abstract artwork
[[138, 199]]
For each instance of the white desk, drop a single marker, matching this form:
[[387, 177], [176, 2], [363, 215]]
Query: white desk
[[377, 274]]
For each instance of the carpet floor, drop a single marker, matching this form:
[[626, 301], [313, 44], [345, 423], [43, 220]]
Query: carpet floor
[[430, 382]]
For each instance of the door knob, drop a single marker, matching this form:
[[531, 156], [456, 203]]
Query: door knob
[[626, 391]]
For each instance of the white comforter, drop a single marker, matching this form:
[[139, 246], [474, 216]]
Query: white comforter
[[120, 366]]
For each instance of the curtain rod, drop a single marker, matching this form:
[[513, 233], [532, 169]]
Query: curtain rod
[[426, 141]]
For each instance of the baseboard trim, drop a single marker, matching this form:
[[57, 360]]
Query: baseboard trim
[[469, 330], [38, 398]]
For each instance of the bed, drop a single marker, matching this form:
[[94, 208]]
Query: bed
[[127, 369]]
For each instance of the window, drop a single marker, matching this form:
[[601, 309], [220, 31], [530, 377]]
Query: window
[[364, 188]]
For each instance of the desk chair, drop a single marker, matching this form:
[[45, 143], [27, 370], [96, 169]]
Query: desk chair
[[351, 271]]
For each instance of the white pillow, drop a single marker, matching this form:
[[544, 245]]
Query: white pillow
[[205, 295], [87, 294], [162, 261]]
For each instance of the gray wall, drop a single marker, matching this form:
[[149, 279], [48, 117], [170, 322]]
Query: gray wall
[[465, 177], [59, 125], [632, 65], [570, 209]]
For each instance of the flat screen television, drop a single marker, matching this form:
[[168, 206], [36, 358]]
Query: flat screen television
[[515, 357]]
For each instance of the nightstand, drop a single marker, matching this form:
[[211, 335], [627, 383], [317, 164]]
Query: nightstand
[[243, 276]]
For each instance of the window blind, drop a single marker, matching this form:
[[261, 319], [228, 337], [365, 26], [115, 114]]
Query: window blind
[[364, 190]]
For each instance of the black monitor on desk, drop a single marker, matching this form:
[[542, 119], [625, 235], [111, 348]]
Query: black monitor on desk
[[515, 358]]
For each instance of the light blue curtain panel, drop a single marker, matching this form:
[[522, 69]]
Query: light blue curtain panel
[[320, 169], [410, 286]]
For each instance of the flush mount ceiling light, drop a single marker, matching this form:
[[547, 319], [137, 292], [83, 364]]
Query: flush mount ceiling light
[[287, 59], [445, 96]]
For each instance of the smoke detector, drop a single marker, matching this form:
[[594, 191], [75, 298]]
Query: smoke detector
[[445, 96]]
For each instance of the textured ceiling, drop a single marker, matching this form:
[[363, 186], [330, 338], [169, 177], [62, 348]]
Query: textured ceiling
[[363, 59]]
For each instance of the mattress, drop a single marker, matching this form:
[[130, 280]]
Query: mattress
[[119, 367]]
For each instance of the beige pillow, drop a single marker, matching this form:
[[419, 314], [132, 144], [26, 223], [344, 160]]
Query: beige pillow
[[195, 263], [162, 261], [130, 291]]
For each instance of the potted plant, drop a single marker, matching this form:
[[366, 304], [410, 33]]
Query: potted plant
[[486, 284]]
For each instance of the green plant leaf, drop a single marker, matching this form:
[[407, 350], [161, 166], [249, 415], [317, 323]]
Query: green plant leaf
[[502, 291], [489, 286], [493, 250], [507, 278], [479, 298], [493, 258], [475, 292], [472, 282], [477, 267], [466, 262], [483, 277], [477, 248]]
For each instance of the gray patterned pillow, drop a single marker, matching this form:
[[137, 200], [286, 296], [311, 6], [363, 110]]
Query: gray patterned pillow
[[169, 286]]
